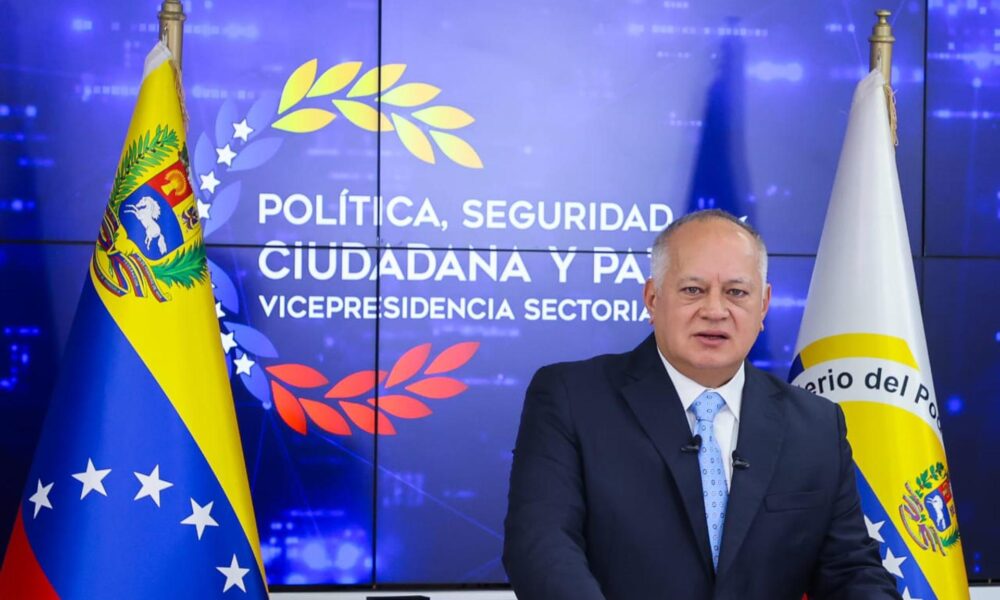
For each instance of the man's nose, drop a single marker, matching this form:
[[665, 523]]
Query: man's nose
[[713, 307]]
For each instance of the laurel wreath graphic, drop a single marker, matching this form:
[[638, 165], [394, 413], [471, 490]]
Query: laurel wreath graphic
[[297, 411], [376, 85], [401, 392]]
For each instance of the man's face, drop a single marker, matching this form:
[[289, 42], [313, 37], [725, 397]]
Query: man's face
[[711, 302]]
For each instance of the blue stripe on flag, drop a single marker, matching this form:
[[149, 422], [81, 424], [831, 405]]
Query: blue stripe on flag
[[796, 368], [108, 408]]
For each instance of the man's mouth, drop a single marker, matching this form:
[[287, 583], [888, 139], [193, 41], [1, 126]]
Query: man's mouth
[[712, 336]]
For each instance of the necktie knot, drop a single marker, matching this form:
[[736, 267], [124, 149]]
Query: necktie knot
[[707, 405]]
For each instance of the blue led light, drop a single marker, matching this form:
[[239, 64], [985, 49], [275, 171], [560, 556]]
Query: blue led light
[[347, 556], [79, 24], [955, 405]]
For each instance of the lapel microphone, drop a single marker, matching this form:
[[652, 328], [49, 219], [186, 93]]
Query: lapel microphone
[[693, 446], [739, 463]]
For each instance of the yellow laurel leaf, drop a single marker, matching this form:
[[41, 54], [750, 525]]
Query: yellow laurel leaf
[[297, 85], [414, 139], [444, 117], [411, 94], [304, 120], [457, 149], [334, 79], [370, 84], [363, 115]]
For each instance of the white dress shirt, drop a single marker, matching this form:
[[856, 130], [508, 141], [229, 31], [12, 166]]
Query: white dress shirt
[[727, 422]]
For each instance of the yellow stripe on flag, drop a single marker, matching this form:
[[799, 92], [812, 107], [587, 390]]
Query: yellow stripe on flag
[[858, 345]]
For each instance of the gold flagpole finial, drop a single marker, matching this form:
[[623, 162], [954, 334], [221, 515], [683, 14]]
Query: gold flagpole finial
[[881, 41], [172, 18], [880, 57]]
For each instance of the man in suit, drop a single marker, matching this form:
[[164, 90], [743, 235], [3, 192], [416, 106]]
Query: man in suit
[[679, 471]]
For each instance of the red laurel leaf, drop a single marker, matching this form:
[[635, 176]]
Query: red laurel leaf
[[364, 418], [298, 375], [356, 384], [452, 358], [408, 364], [326, 417], [401, 406], [288, 408], [437, 387]]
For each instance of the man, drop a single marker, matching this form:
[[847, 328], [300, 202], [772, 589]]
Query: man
[[679, 471]]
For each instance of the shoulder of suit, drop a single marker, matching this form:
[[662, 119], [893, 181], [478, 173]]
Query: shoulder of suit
[[795, 394], [594, 364]]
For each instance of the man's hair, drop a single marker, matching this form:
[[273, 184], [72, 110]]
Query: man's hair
[[660, 257]]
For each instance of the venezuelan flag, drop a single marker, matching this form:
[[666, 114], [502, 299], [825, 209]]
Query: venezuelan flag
[[862, 345], [138, 487]]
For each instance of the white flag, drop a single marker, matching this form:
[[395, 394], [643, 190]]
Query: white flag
[[862, 345]]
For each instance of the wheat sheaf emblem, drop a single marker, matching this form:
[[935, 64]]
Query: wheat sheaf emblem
[[366, 103]]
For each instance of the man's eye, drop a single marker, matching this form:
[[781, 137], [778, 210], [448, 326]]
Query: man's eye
[[691, 290], [738, 293]]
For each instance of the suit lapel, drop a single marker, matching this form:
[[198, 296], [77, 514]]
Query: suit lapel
[[654, 401], [761, 432]]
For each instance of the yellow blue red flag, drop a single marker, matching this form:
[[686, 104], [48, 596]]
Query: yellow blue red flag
[[862, 345], [138, 487]]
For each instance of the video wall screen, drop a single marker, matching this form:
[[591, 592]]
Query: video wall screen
[[476, 200]]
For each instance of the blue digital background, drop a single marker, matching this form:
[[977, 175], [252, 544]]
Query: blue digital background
[[680, 104]]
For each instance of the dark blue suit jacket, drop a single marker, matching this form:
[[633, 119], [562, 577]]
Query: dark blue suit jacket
[[604, 505]]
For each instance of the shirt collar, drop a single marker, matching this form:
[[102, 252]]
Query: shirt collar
[[688, 389]]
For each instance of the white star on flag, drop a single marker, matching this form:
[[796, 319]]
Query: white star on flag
[[228, 342], [92, 479], [41, 497], [200, 517], [907, 596], [234, 575], [218, 311], [242, 130], [873, 529], [243, 364], [891, 563], [203, 210], [226, 155], [209, 182], [152, 485]]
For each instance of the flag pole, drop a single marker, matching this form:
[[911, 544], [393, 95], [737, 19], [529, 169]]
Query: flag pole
[[880, 57], [172, 18]]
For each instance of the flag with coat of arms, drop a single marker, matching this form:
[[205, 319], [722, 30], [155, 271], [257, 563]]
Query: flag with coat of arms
[[138, 487], [862, 345]]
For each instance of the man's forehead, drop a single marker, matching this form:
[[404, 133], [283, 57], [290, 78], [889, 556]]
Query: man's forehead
[[684, 278]]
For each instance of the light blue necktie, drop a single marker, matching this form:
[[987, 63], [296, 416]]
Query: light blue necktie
[[713, 475]]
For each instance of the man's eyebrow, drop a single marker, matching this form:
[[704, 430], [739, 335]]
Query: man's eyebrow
[[702, 280]]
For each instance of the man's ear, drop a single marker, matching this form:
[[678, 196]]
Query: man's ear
[[649, 297], [766, 299]]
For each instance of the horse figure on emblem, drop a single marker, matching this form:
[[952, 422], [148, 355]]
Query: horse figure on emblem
[[148, 211]]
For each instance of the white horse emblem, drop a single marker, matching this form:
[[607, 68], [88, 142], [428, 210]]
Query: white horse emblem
[[937, 503], [148, 211]]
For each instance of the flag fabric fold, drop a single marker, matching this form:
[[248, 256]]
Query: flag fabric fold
[[862, 345], [138, 486]]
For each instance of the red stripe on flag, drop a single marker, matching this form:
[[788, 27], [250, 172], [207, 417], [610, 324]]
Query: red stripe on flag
[[21, 575]]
